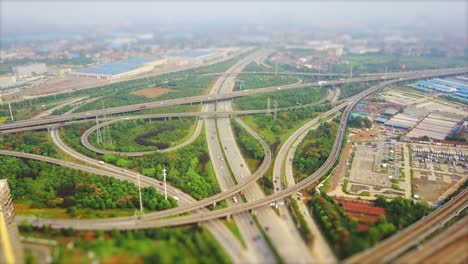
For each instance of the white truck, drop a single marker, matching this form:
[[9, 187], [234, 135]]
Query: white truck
[[322, 82]]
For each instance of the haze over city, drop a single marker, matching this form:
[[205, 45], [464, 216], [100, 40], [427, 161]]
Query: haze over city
[[233, 132]]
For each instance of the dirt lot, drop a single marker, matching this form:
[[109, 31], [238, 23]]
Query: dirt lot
[[62, 84], [151, 92]]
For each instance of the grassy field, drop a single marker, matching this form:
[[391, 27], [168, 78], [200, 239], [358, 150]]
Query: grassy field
[[183, 83], [286, 98], [259, 81], [143, 135]]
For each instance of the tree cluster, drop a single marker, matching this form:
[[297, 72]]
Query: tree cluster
[[314, 149], [39, 185]]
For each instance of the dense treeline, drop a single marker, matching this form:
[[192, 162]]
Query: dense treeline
[[247, 142], [71, 135], [141, 135], [350, 89], [360, 122], [161, 245], [314, 149], [269, 128], [40, 185], [30, 141], [371, 63], [342, 232], [286, 98], [188, 168], [403, 212], [62, 110]]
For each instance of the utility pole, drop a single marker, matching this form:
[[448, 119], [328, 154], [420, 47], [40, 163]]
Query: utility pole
[[164, 173], [275, 113], [276, 70], [268, 105], [386, 70], [139, 193], [98, 132], [351, 71], [11, 113]]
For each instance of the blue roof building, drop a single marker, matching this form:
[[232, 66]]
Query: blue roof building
[[436, 86], [454, 84]]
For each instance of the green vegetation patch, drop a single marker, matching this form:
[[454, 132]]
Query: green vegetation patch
[[42, 185], [286, 98], [342, 232], [35, 142], [368, 63], [162, 245], [350, 89], [252, 81], [188, 168], [183, 83], [254, 67], [251, 149], [313, 151], [142, 135], [360, 122]]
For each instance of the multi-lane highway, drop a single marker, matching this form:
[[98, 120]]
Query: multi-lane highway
[[203, 114], [149, 220], [256, 244], [243, 177], [285, 239], [216, 97]]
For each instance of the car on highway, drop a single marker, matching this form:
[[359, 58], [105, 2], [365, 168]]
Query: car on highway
[[143, 107]]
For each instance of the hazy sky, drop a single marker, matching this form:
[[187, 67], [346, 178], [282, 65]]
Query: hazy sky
[[41, 13]]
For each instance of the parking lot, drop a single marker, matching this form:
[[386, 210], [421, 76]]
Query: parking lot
[[375, 169], [436, 169]]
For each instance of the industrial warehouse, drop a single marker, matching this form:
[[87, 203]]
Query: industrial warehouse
[[456, 88], [195, 56], [120, 69]]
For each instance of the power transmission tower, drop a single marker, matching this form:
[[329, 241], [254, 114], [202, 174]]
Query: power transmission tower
[[275, 111], [139, 193], [11, 113], [98, 132], [164, 173], [386, 70], [268, 106], [276, 70]]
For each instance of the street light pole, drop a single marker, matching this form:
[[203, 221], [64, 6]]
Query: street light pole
[[139, 194], [165, 186]]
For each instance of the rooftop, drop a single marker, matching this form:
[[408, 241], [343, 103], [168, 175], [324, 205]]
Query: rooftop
[[391, 111], [117, 67], [193, 53]]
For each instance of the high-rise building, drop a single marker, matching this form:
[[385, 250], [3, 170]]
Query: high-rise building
[[11, 250]]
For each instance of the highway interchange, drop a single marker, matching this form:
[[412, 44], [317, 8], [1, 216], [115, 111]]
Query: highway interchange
[[224, 154]]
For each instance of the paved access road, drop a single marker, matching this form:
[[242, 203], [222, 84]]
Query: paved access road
[[213, 98], [149, 220]]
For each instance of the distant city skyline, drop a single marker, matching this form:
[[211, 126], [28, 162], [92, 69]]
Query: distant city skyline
[[28, 17]]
